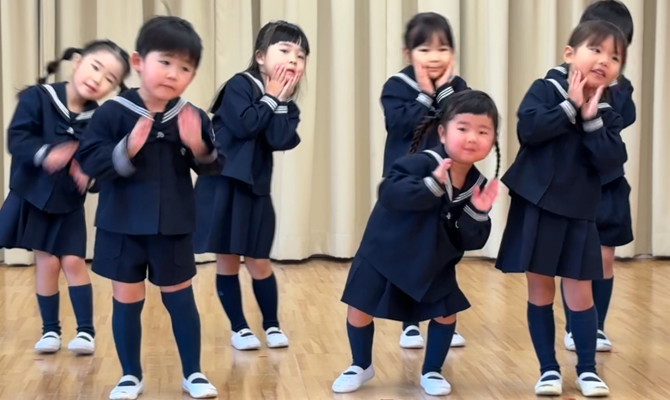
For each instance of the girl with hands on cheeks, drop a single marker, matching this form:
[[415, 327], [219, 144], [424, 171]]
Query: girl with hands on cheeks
[[569, 140], [254, 116], [412, 95], [433, 206]]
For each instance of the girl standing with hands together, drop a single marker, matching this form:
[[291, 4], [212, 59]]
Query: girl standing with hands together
[[255, 116], [433, 206], [44, 211], [569, 138], [413, 95]]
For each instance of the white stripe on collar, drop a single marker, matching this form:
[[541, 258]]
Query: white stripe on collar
[[256, 81], [62, 108], [411, 82], [450, 189], [171, 113], [562, 92]]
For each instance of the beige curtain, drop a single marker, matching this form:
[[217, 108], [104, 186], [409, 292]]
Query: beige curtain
[[325, 189]]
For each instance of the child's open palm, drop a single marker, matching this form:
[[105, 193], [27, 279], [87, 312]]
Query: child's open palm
[[190, 130], [483, 199], [422, 78], [440, 173], [138, 137], [576, 88], [275, 82], [60, 156], [590, 109]]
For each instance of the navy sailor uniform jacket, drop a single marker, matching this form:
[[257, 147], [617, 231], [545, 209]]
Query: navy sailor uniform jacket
[[561, 157], [152, 193], [619, 96], [250, 125], [419, 230], [40, 122], [406, 106]]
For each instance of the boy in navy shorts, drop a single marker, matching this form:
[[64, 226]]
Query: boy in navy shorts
[[141, 147]]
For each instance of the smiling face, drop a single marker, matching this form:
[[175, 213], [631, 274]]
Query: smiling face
[[163, 76], [435, 54], [290, 55], [598, 63], [468, 138], [96, 74]]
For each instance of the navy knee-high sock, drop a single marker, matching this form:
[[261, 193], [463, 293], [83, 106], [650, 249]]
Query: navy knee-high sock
[[81, 298], [127, 330], [542, 329], [585, 333], [437, 348], [267, 297], [230, 295], [602, 294], [566, 310], [360, 341], [185, 326], [49, 306]]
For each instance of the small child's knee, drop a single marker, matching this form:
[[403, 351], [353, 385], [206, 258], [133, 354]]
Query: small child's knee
[[258, 268], [358, 318], [448, 320], [227, 264]]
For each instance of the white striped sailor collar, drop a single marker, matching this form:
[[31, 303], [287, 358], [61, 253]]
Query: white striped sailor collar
[[255, 78], [560, 82], [473, 179], [132, 101], [58, 95], [407, 75]]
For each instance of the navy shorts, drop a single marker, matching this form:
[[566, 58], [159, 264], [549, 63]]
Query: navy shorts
[[167, 260]]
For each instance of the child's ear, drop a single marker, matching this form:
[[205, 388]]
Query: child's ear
[[136, 61], [260, 57], [76, 60], [569, 54]]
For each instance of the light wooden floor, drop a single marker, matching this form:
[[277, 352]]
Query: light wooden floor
[[498, 362]]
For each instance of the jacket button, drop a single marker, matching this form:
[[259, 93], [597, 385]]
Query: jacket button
[[160, 135], [448, 215], [70, 130]]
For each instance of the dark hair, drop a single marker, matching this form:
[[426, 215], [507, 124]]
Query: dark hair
[[91, 47], [169, 34], [593, 33], [466, 102], [274, 32], [423, 26], [612, 11]]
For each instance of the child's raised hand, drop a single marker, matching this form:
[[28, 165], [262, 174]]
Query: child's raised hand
[[422, 78], [483, 199], [576, 88], [590, 109], [190, 130], [79, 177], [446, 77], [59, 156], [440, 173], [138, 137], [274, 83], [289, 87]]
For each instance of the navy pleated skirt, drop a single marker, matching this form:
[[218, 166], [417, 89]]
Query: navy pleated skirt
[[614, 222], [231, 219], [24, 226], [369, 291], [538, 241]]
